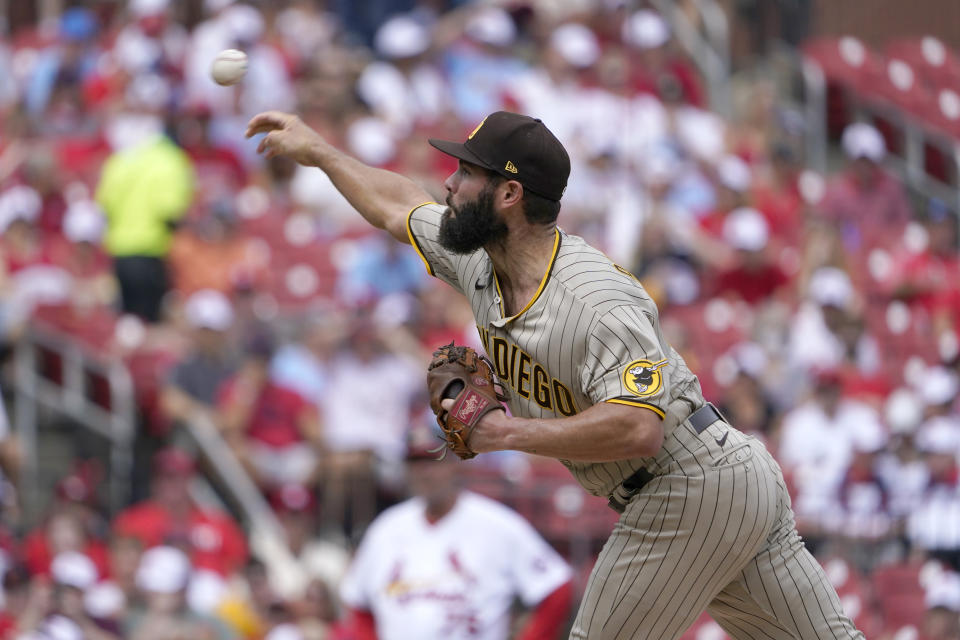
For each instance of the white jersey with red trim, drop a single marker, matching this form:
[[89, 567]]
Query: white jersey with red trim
[[591, 334], [454, 579]]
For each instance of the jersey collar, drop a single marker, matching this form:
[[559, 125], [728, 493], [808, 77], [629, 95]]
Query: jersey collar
[[543, 284]]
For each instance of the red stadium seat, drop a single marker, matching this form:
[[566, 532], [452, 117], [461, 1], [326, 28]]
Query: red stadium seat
[[899, 594], [943, 112], [846, 60], [936, 62], [901, 85]]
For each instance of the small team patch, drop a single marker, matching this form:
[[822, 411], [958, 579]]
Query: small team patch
[[643, 378]]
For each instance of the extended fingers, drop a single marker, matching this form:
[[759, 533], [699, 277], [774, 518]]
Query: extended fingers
[[269, 144], [267, 121]]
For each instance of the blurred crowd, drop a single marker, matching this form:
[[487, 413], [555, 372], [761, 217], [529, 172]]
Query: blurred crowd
[[821, 313]]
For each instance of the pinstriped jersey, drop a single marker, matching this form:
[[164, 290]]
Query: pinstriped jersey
[[590, 334]]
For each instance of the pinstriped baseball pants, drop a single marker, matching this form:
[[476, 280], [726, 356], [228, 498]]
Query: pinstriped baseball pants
[[714, 530]]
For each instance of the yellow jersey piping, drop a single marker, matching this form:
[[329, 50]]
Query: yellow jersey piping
[[413, 240], [543, 282], [636, 403]]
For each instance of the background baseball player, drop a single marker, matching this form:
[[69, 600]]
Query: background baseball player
[[448, 564], [706, 518]]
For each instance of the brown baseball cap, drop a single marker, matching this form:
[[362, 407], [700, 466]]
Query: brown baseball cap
[[517, 147]]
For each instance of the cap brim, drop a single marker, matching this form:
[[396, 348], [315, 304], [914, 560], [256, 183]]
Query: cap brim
[[459, 151]]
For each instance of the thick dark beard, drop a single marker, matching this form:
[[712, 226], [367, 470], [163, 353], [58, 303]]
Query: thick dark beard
[[476, 224]]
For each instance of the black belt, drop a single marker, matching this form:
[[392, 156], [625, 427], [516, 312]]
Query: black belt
[[699, 420]]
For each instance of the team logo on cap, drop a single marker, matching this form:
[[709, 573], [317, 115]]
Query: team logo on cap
[[510, 167], [643, 378]]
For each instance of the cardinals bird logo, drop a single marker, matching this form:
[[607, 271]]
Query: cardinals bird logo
[[642, 377]]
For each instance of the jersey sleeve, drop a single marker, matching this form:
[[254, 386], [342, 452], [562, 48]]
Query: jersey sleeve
[[626, 361], [423, 227], [537, 570]]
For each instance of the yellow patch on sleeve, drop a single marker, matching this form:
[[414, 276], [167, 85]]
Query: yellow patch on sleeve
[[643, 378]]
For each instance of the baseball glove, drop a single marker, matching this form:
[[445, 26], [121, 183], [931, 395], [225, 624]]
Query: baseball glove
[[462, 374]]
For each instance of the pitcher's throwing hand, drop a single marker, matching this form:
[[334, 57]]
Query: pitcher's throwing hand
[[287, 135]]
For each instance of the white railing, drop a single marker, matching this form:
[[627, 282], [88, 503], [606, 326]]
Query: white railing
[[70, 396], [917, 134]]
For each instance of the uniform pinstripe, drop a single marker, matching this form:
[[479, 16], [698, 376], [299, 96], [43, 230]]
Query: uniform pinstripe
[[714, 529]]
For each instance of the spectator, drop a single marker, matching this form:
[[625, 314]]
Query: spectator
[[163, 577], [209, 38], [304, 364], [273, 431], [42, 172], [380, 268], [22, 241], [17, 593], [864, 497], [934, 521], [745, 401], [365, 440], [170, 516], [267, 84], [125, 553], [928, 278], [317, 613], [74, 575], [659, 72], [415, 560], [480, 66], [58, 607], [210, 253], [193, 383], [404, 88], [820, 335], [902, 468], [941, 620], [151, 42], [557, 90], [145, 188], [778, 195], [752, 275], [867, 204], [63, 532], [83, 257], [29, 276], [297, 509], [734, 178], [219, 168], [65, 65], [938, 388], [817, 443]]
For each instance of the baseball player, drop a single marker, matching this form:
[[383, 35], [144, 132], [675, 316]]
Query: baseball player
[[447, 564], [706, 519]]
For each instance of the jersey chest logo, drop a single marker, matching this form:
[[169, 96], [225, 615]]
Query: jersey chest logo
[[643, 377]]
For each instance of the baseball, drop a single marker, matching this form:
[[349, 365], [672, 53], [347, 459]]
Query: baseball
[[229, 67]]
